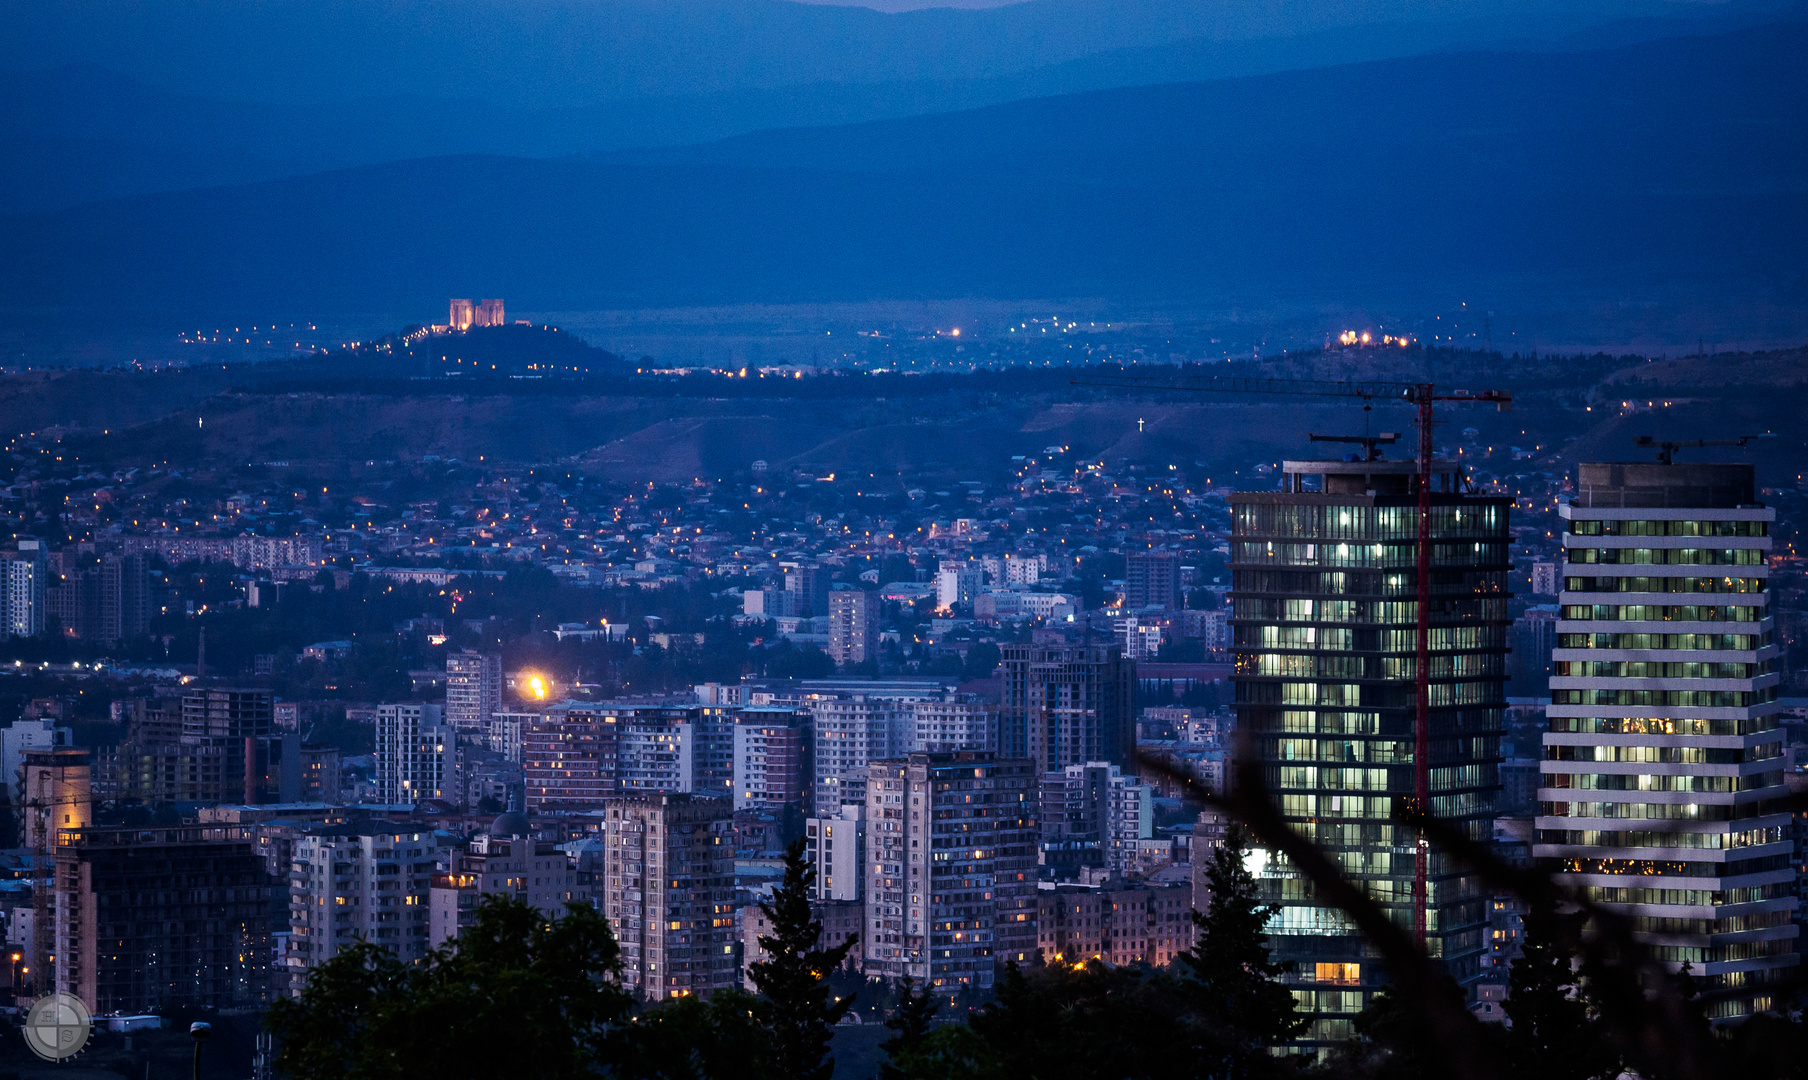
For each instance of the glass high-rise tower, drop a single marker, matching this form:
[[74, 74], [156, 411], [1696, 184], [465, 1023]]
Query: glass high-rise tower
[[1664, 758], [1324, 617]]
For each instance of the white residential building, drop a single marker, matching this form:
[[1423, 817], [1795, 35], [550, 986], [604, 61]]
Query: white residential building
[[416, 754], [836, 843], [365, 881], [957, 584], [956, 722], [23, 577]]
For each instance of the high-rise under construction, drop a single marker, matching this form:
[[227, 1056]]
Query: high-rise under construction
[[1325, 616]]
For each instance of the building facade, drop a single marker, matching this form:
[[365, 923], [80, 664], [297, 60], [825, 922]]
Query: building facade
[[416, 755], [668, 890], [836, 844], [840, 919], [950, 868], [953, 722], [1324, 613], [164, 917], [1664, 755], [1151, 579], [1137, 924], [853, 626], [24, 580], [774, 751], [568, 758], [364, 881], [1067, 704], [473, 692], [533, 871]]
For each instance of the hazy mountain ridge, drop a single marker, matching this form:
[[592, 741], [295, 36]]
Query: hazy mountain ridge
[[562, 53], [81, 132], [1669, 173]]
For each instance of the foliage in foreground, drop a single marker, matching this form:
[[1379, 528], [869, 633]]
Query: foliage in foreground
[[524, 994]]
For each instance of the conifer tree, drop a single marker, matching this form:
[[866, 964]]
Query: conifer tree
[[909, 1023], [1240, 1006], [1552, 1032], [797, 1011]]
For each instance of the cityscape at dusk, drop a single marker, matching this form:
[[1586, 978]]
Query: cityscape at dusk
[[706, 539]]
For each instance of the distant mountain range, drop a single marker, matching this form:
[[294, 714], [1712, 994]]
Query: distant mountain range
[[98, 112], [1663, 173], [574, 53]]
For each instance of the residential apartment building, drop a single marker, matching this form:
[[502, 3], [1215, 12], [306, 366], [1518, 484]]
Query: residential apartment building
[[1135, 924], [1151, 579], [365, 880], [663, 747], [416, 755], [473, 692], [809, 589], [952, 722], [1095, 805], [165, 917], [854, 626], [853, 730], [533, 871], [568, 757], [840, 919], [1664, 758], [668, 891], [957, 585], [24, 580], [774, 752], [1067, 704], [836, 844], [105, 599], [950, 867], [504, 731]]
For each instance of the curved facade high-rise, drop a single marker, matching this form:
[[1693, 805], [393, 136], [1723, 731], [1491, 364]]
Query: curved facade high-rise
[[1664, 755]]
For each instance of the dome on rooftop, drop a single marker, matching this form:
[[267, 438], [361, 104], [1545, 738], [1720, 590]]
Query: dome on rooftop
[[513, 823]]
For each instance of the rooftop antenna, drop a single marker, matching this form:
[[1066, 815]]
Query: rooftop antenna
[[1666, 451]]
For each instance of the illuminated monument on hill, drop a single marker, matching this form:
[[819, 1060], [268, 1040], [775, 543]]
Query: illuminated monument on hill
[[466, 314]]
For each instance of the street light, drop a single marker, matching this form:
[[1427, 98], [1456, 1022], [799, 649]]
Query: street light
[[199, 1031]]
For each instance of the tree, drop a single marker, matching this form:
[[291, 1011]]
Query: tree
[[1553, 1030], [516, 982], [797, 1011], [909, 1023], [1240, 1008]]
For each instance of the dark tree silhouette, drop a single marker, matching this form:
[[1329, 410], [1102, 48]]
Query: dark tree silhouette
[[798, 1010]]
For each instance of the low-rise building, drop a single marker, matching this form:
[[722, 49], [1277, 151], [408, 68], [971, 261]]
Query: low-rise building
[[1121, 924]]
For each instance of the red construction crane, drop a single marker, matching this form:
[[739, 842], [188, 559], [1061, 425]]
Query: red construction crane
[[1422, 396]]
